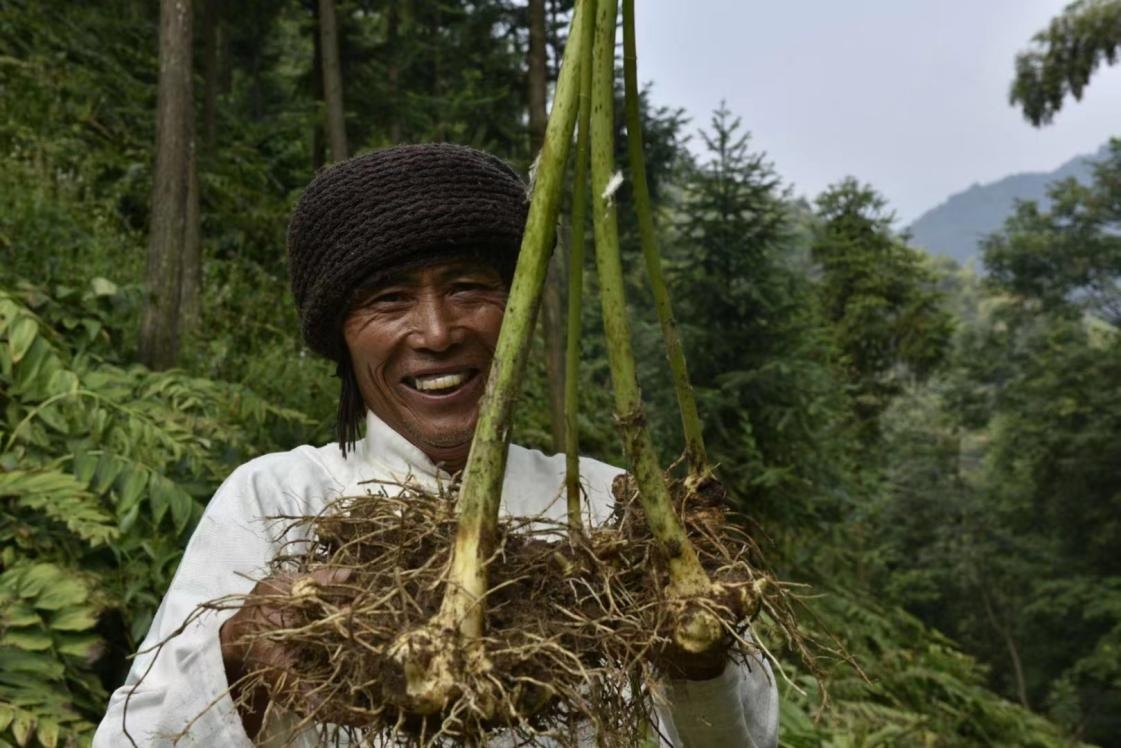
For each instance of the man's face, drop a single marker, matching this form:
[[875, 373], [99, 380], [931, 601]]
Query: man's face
[[421, 344]]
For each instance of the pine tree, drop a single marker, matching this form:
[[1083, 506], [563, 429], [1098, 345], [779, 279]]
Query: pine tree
[[755, 347], [888, 321]]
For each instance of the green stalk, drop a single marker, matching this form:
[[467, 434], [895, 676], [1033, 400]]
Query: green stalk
[[478, 503], [695, 453], [686, 576], [576, 282]]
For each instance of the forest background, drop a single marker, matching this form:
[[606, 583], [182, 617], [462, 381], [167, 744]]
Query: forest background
[[936, 454]]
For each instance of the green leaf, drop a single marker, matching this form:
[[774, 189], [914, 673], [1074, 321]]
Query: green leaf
[[61, 497], [159, 497], [130, 487], [181, 507], [85, 465], [108, 468], [21, 335], [29, 376], [34, 579], [22, 727], [74, 619], [86, 646], [140, 626], [19, 614], [61, 382], [93, 327], [27, 665], [27, 639], [103, 286], [53, 417], [63, 593], [47, 733], [128, 519]]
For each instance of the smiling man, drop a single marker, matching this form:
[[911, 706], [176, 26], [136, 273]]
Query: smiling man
[[400, 261], [420, 344]]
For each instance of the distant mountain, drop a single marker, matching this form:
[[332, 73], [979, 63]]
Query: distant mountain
[[955, 227]]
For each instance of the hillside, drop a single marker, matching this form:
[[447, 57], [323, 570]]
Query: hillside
[[955, 227], [928, 465]]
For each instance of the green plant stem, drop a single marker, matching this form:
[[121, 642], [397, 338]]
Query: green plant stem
[[576, 283], [695, 454], [687, 577], [481, 489]]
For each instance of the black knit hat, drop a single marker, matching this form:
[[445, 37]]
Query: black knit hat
[[395, 208]]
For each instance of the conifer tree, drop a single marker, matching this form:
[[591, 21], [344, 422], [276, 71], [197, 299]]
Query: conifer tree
[[886, 315], [755, 347]]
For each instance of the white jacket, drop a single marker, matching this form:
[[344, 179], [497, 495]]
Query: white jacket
[[182, 687]]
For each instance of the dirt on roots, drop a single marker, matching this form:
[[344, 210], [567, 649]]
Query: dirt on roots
[[577, 626]]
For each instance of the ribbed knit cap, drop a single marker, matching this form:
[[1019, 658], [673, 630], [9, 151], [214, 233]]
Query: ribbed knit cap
[[395, 208]]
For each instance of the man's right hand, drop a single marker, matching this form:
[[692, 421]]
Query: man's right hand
[[244, 651]]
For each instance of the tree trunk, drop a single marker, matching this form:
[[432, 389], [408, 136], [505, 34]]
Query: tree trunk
[[1010, 644], [538, 76], [190, 291], [434, 24], [554, 38], [225, 64], [256, 74], [552, 330], [318, 140], [393, 70], [159, 325], [332, 80], [210, 44], [552, 304]]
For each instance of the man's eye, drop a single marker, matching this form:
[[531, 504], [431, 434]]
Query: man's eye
[[472, 286], [388, 297]]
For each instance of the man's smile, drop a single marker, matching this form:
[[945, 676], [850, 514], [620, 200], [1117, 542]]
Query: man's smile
[[441, 383]]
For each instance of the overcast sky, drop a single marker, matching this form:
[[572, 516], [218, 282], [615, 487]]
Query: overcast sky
[[909, 95]]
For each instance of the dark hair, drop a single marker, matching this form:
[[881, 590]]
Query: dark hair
[[352, 408]]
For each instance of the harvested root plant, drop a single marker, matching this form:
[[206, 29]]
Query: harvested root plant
[[452, 625]]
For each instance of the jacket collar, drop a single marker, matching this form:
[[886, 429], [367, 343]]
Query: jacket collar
[[390, 454]]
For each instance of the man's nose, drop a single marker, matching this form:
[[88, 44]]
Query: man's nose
[[434, 326]]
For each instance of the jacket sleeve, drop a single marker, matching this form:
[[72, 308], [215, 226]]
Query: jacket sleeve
[[738, 709], [177, 687]]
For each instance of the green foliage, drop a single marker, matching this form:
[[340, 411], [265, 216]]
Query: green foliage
[[1064, 56], [768, 400], [998, 522], [103, 471], [1066, 259], [993, 472], [878, 295], [47, 619], [919, 688]]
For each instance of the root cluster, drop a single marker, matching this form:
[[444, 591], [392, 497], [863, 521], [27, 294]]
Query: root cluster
[[578, 626]]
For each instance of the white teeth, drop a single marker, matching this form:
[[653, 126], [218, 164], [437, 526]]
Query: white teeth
[[439, 382]]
